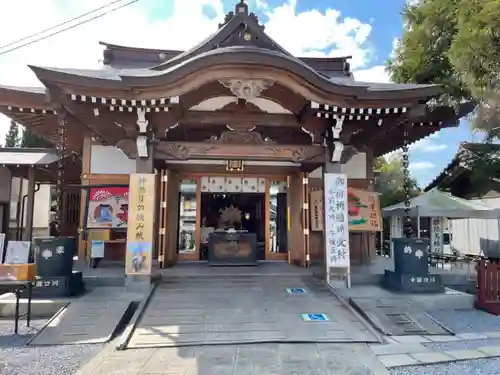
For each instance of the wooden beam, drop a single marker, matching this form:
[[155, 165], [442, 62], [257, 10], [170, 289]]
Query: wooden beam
[[239, 118], [103, 126], [221, 151], [256, 170]]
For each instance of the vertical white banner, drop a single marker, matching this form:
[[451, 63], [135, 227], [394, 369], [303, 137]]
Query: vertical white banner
[[437, 228], [336, 229]]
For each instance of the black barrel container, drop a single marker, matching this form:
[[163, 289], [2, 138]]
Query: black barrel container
[[54, 256]]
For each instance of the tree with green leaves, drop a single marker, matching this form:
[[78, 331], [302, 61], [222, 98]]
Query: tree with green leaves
[[390, 181], [32, 140], [28, 139], [12, 138], [455, 43]]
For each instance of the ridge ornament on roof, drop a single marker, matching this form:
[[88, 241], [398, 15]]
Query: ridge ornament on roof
[[240, 8]]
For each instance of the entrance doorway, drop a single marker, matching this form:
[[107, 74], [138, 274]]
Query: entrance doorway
[[238, 211], [190, 207]]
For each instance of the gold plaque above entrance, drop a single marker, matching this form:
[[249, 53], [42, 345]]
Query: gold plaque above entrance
[[234, 166]]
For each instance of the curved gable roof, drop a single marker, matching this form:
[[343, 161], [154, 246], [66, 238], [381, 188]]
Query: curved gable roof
[[236, 56]]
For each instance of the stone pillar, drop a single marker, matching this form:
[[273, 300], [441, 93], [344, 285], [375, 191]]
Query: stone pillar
[[30, 205]]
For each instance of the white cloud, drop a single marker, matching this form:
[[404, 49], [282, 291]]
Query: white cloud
[[374, 74], [420, 165], [318, 33], [377, 73], [307, 33], [432, 143]]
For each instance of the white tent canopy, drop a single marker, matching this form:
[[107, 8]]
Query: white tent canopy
[[436, 203]]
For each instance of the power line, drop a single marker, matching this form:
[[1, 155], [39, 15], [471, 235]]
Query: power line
[[59, 25], [69, 28]]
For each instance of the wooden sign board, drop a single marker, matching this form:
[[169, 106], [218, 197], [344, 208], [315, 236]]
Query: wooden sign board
[[316, 209], [363, 208], [140, 231]]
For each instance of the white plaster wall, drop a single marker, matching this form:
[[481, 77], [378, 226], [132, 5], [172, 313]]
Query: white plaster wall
[[41, 217], [110, 160], [355, 168], [41, 213], [219, 102]]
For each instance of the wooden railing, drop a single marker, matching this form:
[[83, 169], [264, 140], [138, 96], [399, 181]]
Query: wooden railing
[[488, 286]]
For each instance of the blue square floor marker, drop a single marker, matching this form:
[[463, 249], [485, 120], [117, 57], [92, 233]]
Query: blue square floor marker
[[296, 291], [315, 317]]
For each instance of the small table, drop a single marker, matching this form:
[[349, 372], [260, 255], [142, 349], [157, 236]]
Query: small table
[[16, 286]]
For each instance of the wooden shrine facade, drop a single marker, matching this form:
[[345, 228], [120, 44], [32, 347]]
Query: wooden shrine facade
[[239, 96]]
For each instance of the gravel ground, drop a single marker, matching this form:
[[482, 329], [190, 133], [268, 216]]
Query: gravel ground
[[472, 367], [459, 345], [18, 359], [467, 321]]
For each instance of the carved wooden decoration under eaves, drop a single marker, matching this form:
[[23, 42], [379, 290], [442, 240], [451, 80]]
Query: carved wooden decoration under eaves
[[241, 137], [246, 88], [262, 152]]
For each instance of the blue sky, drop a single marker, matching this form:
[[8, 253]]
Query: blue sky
[[364, 29]]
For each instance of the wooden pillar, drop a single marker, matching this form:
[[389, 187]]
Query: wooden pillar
[[30, 205], [168, 218], [296, 234], [172, 229], [370, 238], [19, 220], [86, 160], [145, 165]]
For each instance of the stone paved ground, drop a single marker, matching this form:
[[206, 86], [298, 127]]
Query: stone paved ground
[[477, 338], [246, 309], [490, 366], [420, 350], [252, 359], [89, 319], [17, 359]]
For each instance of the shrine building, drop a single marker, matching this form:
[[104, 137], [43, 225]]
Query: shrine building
[[238, 131]]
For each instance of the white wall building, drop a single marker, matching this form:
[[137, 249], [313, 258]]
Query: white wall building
[[10, 197], [477, 236]]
